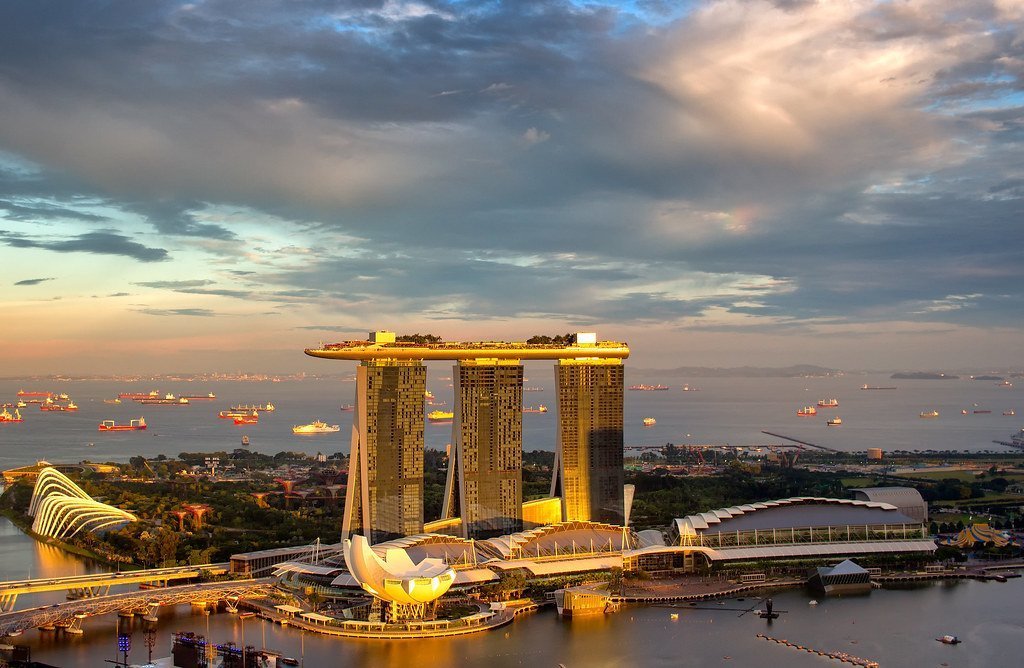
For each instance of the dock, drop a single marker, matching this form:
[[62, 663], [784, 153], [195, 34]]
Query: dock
[[845, 657]]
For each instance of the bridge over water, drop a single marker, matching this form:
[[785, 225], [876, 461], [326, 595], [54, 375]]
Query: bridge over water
[[99, 584], [144, 601]]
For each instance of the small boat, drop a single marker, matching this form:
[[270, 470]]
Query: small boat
[[812, 602], [111, 401], [1005, 383], [929, 414], [347, 408], [288, 661], [687, 388], [246, 615], [1010, 412], [538, 409], [949, 640], [835, 422], [21, 404], [828, 403], [981, 412], [649, 422], [133, 425], [963, 411], [674, 615], [315, 427], [245, 441], [807, 411], [441, 416]]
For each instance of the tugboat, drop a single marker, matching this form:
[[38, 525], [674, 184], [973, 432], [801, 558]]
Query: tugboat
[[949, 640]]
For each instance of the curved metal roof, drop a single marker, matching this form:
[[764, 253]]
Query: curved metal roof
[[797, 511]]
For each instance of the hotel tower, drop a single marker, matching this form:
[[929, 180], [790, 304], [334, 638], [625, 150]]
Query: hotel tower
[[483, 494]]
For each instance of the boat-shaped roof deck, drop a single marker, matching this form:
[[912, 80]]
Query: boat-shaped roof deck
[[450, 350]]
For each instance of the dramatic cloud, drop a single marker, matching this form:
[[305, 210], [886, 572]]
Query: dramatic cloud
[[103, 243], [718, 165]]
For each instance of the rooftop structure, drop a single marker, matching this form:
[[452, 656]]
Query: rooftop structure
[[382, 345], [907, 499]]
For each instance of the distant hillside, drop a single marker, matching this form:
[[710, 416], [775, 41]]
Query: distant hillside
[[923, 375], [795, 371]]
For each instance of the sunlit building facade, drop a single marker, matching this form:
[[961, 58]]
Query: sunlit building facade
[[485, 480], [384, 497], [588, 472]]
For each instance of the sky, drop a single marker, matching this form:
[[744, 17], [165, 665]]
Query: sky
[[214, 186]]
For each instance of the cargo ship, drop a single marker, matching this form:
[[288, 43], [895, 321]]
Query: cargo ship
[[167, 400], [929, 414], [6, 416], [835, 422], [807, 411], [133, 425], [139, 395], [347, 408], [23, 393], [248, 419], [315, 427], [111, 401], [648, 388], [876, 387], [440, 416], [232, 414], [200, 397], [267, 407], [535, 409], [533, 388], [828, 403]]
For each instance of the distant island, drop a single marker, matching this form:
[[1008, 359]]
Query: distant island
[[986, 377], [795, 371], [923, 375]]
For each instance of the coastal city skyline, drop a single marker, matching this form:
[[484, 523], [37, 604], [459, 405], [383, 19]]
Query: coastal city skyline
[[208, 186]]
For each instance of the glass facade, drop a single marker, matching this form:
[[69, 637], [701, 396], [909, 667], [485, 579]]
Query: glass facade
[[384, 499], [589, 473], [488, 433]]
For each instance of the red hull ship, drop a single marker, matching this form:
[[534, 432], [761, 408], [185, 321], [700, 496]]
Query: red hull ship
[[134, 425], [248, 419]]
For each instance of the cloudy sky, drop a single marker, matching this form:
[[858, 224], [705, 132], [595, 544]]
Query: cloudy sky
[[216, 185]]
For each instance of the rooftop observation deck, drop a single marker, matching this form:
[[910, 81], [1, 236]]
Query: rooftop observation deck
[[450, 350]]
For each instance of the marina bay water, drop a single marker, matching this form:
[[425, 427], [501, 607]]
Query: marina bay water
[[896, 627], [724, 410]]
